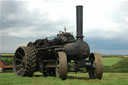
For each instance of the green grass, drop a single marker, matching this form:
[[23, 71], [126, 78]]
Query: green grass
[[7, 54], [72, 79], [111, 61]]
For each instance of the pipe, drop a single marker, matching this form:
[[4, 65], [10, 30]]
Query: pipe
[[79, 22]]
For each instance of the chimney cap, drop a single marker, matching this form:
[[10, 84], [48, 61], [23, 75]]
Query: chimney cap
[[79, 6]]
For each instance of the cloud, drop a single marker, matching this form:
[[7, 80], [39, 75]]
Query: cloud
[[46, 15], [19, 21], [14, 14], [111, 52], [105, 21], [10, 44]]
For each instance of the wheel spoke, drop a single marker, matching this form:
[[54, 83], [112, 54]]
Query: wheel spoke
[[20, 65], [19, 60], [20, 55], [20, 70]]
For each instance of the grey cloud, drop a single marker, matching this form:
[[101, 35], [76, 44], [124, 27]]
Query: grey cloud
[[111, 52], [121, 15], [119, 22], [16, 17], [10, 44], [15, 14], [19, 26], [12, 13]]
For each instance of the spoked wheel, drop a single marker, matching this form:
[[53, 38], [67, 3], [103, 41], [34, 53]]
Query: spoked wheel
[[61, 65], [24, 63], [96, 70]]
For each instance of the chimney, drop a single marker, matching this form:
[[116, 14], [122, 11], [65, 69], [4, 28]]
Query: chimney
[[79, 22]]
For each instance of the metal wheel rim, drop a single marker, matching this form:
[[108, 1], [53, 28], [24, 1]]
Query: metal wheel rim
[[61, 65], [19, 64], [97, 67]]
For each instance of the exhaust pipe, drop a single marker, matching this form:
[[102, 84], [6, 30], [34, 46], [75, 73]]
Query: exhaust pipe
[[79, 22]]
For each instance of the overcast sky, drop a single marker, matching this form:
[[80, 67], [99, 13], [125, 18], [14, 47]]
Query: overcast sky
[[105, 23]]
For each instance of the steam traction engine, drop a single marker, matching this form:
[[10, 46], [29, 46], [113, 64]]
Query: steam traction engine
[[52, 57]]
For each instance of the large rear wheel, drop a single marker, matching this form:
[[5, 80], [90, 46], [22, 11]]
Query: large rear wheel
[[96, 70], [61, 65], [25, 62]]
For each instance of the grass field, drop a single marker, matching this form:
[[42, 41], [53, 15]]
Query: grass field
[[73, 79], [7, 54], [110, 61], [109, 78]]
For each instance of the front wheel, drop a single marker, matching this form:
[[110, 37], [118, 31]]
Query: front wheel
[[61, 65], [96, 70]]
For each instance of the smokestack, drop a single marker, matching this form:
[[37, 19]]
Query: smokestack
[[79, 22]]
